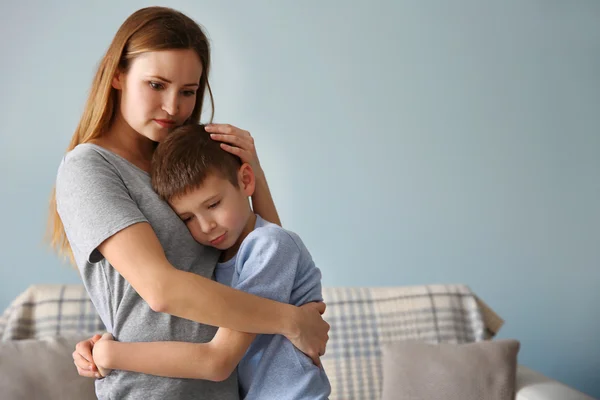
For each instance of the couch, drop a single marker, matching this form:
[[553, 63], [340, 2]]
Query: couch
[[39, 329]]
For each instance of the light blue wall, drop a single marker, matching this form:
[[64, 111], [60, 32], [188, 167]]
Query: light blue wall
[[408, 143]]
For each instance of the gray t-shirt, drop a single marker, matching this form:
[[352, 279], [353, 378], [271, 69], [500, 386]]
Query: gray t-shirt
[[99, 193]]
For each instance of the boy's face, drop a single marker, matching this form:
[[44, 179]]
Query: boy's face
[[217, 213]]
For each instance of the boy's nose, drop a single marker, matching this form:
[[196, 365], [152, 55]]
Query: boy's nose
[[208, 226]]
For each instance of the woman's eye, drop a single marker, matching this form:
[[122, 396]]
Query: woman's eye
[[156, 85], [189, 93], [213, 205], [187, 219]]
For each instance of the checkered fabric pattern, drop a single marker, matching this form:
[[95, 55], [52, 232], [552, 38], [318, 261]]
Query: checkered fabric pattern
[[50, 310], [361, 320]]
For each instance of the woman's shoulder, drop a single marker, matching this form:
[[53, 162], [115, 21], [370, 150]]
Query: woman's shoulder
[[93, 159], [86, 152], [88, 162]]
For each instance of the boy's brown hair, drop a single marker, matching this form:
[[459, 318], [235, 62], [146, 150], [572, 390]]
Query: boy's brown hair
[[186, 158]]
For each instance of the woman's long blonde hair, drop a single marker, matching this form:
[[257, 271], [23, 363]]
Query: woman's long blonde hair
[[148, 29]]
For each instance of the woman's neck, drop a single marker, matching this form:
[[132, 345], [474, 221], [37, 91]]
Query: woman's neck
[[123, 140]]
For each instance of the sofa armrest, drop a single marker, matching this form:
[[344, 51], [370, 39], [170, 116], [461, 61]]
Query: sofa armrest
[[532, 385]]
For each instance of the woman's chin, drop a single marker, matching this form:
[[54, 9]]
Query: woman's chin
[[156, 135]]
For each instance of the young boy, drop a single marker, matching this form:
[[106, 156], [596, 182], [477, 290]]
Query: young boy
[[209, 188]]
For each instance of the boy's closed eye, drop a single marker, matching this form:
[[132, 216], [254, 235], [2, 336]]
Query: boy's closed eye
[[214, 205]]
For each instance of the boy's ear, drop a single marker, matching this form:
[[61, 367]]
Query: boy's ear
[[247, 179], [117, 81]]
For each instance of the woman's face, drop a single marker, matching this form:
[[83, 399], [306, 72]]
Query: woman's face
[[159, 91]]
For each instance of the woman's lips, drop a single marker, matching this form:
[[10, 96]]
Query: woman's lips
[[165, 123]]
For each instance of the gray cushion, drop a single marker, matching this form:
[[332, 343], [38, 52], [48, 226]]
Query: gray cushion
[[475, 371], [42, 369]]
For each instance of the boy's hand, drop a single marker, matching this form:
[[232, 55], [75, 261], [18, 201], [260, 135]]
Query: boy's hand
[[83, 359], [101, 355], [311, 334]]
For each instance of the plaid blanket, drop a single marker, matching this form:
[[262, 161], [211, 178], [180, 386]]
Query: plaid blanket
[[361, 320], [50, 310]]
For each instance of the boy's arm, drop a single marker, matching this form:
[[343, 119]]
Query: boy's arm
[[214, 361]]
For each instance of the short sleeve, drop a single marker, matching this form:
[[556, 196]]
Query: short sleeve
[[269, 261], [92, 202]]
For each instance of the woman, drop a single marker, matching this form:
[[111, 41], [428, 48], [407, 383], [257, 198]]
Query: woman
[[147, 277]]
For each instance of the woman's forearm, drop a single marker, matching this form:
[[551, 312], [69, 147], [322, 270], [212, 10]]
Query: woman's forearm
[[187, 295], [199, 299], [262, 201]]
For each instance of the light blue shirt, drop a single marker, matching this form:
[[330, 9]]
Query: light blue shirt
[[274, 263]]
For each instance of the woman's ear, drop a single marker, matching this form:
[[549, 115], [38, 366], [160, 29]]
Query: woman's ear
[[117, 81], [247, 179]]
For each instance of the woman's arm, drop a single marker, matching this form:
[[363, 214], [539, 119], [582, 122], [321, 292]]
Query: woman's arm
[[213, 361], [262, 201], [191, 296]]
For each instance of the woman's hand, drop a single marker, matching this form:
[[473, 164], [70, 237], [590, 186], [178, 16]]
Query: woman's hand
[[101, 355], [238, 142], [312, 331], [83, 359]]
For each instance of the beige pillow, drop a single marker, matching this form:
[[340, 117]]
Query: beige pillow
[[42, 369], [475, 371]]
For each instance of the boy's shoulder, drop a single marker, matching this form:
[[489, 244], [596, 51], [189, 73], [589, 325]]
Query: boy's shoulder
[[267, 234]]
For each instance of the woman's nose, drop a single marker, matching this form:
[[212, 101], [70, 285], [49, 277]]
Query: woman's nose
[[171, 105]]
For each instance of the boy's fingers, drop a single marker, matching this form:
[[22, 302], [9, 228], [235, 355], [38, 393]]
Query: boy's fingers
[[79, 360], [95, 338], [85, 349], [84, 371], [86, 374], [82, 362], [87, 356]]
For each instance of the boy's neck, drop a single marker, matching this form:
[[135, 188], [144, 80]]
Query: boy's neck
[[228, 254]]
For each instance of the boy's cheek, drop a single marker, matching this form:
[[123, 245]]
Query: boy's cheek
[[197, 236]]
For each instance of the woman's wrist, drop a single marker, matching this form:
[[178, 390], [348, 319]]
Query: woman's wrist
[[290, 323]]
